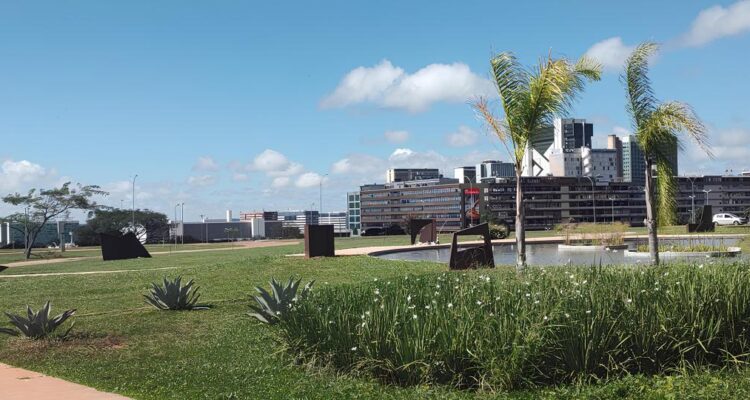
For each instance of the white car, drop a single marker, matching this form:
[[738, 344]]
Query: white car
[[728, 219]]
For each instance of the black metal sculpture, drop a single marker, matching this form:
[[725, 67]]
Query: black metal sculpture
[[122, 247], [472, 256], [425, 228], [319, 241], [705, 222]]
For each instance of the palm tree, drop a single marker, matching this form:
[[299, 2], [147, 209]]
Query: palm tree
[[657, 126], [530, 99]]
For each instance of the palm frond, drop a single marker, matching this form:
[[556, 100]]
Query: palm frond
[[641, 100], [666, 209], [672, 117]]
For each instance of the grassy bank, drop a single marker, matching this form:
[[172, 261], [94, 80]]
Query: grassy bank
[[126, 347]]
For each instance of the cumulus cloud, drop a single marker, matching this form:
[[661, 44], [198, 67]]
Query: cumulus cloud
[[15, 175], [463, 137], [206, 163], [309, 179], [717, 22], [391, 87], [729, 146], [280, 182], [201, 180], [611, 53], [274, 163], [396, 136], [360, 164]]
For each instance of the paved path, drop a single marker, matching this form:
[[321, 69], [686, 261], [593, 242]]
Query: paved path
[[20, 384]]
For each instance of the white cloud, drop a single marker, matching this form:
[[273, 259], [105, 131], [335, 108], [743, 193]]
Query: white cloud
[[717, 22], [280, 182], [274, 163], [611, 53], [396, 136], [201, 180], [391, 87], [359, 164], [729, 146], [206, 163], [239, 177], [16, 175], [309, 179], [463, 137]]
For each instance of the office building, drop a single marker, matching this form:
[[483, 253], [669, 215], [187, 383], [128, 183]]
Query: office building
[[218, 230], [266, 215], [388, 206], [600, 164], [353, 213], [465, 174], [564, 134], [338, 220], [298, 219], [411, 174], [494, 169], [725, 194], [614, 143], [633, 162], [13, 234]]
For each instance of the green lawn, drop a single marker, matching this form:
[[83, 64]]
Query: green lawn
[[223, 354]]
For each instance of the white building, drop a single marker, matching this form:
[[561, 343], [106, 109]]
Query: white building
[[583, 161]]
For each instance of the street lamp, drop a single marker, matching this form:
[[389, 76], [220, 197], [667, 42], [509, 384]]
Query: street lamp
[[612, 200], [321, 192], [593, 193], [706, 191], [204, 223], [136, 175], [175, 224], [692, 199], [471, 198], [182, 222]]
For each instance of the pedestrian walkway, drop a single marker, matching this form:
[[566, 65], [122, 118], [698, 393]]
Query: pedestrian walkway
[[20, 384]]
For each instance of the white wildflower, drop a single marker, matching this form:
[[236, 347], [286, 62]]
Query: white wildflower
[[354, 348], [588, 311], [414, 316], [450, 305]]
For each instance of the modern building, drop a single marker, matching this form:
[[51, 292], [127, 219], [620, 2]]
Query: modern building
[[596, 163], [633, 162], [411, 174], [553, 200], [725, 194], [219, 231], [390, 205], [564, 134], [298, 219], [465, 174], [353, 213], [338, 220], [615, 143], [266, 215], [490, 169], [13, 234]]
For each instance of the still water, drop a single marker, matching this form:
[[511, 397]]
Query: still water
[[549, 254]]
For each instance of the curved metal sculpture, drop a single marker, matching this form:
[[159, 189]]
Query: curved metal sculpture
[[468, 257], [425, 228]]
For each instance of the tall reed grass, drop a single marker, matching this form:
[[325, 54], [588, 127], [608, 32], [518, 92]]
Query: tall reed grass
[[502, 331]]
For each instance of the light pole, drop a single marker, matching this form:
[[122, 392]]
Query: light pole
[[612, 200], [692, 199], [175, 224], [705, 202], [182, 222], [593, 193], [133, 220], [321, 192], [204, 223]]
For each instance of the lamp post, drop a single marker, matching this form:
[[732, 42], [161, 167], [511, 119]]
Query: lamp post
[[471, 198], [692, 199], [182, 222], [133, 216], [706, 191], [321, 192], [612, 200], [204, 223], [593, 193], [175, 224]]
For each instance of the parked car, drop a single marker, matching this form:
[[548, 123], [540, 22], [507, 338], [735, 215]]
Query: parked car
[[728, 219]]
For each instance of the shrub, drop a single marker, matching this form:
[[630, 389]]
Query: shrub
[[174, 296], [506, 331], [273, 307], [38, 325]]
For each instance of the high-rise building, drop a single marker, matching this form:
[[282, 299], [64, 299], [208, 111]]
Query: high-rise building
[[338, 220], [633, 162], [573, 133], [491, 169], [596, 163], [564, 134], [411, 174], [353, 218], [465, 174], [614, 143], [536, 156]]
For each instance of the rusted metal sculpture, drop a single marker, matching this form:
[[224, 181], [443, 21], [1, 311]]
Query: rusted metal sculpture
[[319, 241], [425, 228], [476, 256]]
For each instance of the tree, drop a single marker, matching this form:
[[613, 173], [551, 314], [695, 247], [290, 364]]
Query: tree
[[44, 205], [530, 99], [115, 221], [657, 126]]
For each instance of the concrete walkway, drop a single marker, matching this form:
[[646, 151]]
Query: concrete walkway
[[20, 384]]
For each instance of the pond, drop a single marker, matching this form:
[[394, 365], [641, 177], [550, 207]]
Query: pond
[[549, 254]]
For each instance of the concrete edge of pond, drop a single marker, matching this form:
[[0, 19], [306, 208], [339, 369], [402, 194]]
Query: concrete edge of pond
[[730, 252]]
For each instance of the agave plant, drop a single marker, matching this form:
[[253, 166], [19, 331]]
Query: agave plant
[[272, 307], [37, 325], [174, 296]]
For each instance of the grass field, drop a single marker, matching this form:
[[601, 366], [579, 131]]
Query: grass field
[[125, 347]]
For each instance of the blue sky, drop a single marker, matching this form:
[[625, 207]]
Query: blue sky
[[248, 105]]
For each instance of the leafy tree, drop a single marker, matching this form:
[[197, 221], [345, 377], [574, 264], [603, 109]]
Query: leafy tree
[[44, 205], [530, 99], [657, 126], [115, 221]]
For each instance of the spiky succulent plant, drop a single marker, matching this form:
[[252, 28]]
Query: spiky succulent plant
[[174, 296], [273, 306], [37, 325]]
